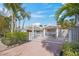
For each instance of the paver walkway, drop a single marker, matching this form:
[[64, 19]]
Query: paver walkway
[[2, 46], [33, 48]]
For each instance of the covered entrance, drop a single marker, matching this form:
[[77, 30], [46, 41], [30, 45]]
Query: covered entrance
[[42, 31], [36, 31]]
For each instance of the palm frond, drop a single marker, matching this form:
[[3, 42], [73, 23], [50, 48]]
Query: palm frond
[[16, 7], [59, 12]]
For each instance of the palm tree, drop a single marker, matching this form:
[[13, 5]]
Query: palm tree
[[4, 21], [18, 13], [4, 24], [67, 10], [72, 23]]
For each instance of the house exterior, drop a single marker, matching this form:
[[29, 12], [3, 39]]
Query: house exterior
[[71, 35], [51, 31], [62, 34], [74, 32], [36, 30]]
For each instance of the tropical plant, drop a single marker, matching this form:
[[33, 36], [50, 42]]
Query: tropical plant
[[70, 49], [72, 23], [17, 13], [13, 38], [68, 10], [4, 24], [65, 24]]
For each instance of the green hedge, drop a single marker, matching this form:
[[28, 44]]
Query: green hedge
[[70, 49], [15, 38]]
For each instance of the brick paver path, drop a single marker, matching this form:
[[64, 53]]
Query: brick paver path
[[33, 48]]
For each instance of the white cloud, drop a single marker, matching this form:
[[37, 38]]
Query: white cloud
[[51, 16], [63, 3], [39, 12], [5, 12], [36, 24], [37, 15]]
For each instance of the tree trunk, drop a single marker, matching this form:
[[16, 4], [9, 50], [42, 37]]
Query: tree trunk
[[23, 25], [19, 26], [12, 25]]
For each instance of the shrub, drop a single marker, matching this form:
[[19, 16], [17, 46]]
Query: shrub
[[15, 38], [70, 49], [21, 37]]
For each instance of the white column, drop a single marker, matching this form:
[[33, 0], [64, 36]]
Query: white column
[[33, 32], [44, 32], [30, 36], [57, 32]]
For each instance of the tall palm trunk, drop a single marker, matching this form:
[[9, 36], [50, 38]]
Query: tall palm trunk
[[12, 25], [19, 22], [23, 25]]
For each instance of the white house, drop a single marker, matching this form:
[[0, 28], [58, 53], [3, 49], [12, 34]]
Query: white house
[[37, 29]]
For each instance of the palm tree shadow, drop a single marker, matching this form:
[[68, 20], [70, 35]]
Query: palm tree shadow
[[53, 46]]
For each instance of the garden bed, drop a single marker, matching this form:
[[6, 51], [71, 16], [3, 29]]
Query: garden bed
[[70, 49], [15, 38]]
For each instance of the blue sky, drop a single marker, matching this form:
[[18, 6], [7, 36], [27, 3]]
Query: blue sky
[[43, 13]]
